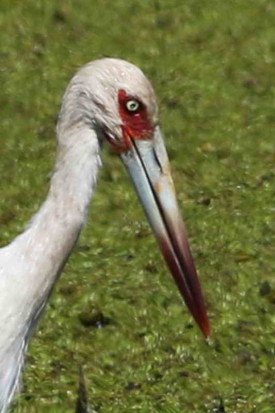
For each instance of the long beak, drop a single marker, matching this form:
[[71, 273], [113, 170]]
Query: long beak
[[148, 166]]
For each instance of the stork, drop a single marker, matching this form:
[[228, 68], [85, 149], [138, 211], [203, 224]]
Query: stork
[[107, 100]]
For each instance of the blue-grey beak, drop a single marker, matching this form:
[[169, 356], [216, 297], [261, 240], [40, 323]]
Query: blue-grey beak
[[148, 166]]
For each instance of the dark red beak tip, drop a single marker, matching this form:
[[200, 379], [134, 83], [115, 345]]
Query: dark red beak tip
[[206, 329]]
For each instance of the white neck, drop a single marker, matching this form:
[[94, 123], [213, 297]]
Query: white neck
[[55, 228], [30, 265]]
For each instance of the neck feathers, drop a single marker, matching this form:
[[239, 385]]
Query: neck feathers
[[30, 265]]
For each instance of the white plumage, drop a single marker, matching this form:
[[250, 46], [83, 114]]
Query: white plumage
[[32, 262]]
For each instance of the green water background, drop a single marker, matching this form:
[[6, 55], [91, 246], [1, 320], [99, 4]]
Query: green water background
[[212, 65]]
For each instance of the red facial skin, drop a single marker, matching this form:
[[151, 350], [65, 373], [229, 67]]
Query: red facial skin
[[135, 125]]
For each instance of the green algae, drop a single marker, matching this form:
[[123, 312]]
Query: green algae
[[212, 65]]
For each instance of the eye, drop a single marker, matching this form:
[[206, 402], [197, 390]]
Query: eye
[[132, 105]]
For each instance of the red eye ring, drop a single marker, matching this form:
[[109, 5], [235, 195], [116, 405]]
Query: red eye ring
[[135, 121]]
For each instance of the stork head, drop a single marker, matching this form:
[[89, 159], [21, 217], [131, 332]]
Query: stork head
[[116, 99]]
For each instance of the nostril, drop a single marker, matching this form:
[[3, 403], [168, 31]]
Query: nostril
[[157, 160]]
